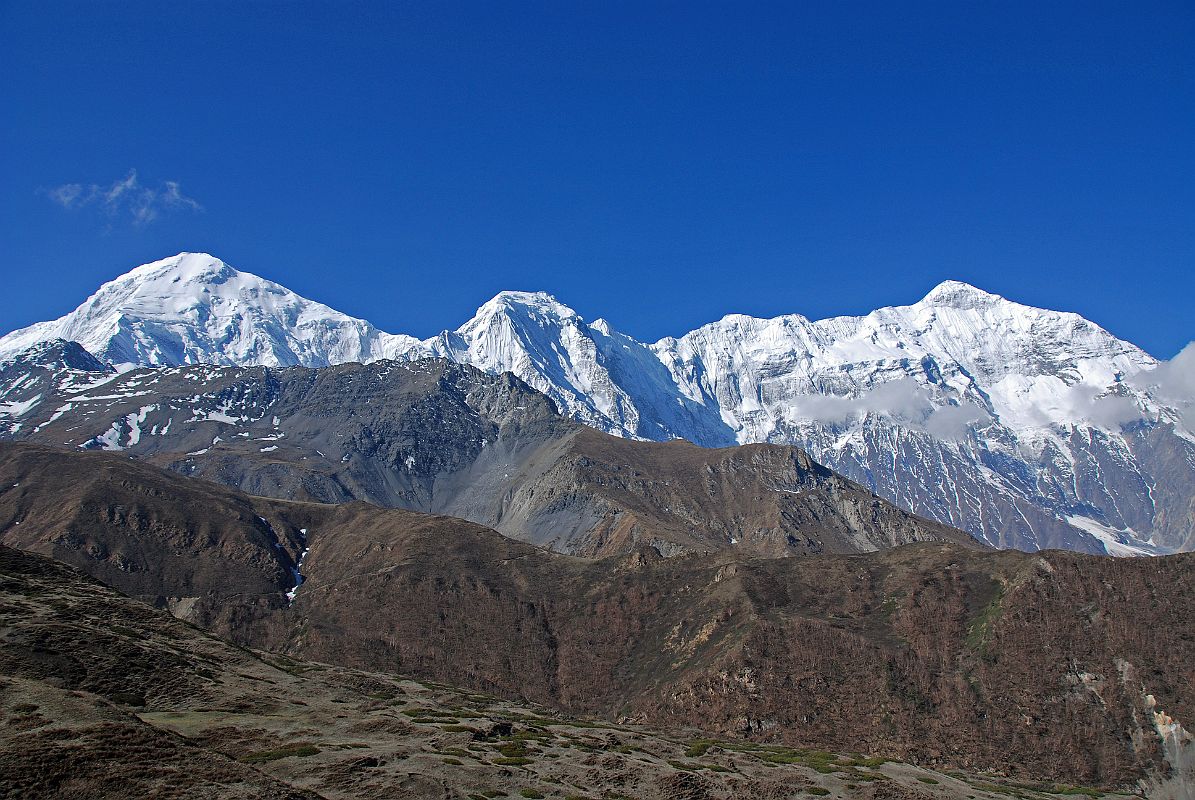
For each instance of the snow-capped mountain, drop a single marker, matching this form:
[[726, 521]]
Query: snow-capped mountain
[[1015, 423], [1026, 427], [193, 308]]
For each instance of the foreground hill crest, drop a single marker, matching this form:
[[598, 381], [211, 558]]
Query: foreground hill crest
[[1025, 427]]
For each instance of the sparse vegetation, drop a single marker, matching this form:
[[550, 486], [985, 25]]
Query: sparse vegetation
[[369, 730], [127, 698], [978, 630], [513, 749], [1072, 790], [298, 749]]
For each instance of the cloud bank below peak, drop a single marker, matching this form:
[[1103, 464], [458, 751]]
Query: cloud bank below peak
[[1173, 382]]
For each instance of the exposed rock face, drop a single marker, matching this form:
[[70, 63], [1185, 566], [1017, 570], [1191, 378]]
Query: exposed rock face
[[765, 499], [202, 549], [1051, 664], [438, 437]]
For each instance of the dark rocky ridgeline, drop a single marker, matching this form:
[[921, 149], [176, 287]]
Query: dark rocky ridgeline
[[200, 548], [769, 500], [933, 653], [1049, 665], [438, 437]]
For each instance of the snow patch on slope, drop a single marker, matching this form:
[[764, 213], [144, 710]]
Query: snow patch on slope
[[1116, 542]]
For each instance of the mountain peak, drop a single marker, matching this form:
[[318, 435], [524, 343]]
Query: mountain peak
[[959, 295], [184, 267], [194, 308], [980, 384], [59, 352], [535, 303], [172, 289]]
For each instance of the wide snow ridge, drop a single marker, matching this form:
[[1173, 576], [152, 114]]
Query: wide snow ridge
[[1003, 419]]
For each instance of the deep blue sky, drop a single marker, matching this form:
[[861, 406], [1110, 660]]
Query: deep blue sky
[[660, 167]]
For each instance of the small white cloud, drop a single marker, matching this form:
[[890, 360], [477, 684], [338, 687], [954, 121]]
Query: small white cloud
[[1112, 411], [952, 422], [66, 195], [114, 192], [125, 196], [1173, 379], [905, 400], [1055, 403], [1173, 382]]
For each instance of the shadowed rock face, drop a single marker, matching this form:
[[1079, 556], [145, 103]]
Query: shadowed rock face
[[936, 653], [941, 655], [202, 547], [437, 437]]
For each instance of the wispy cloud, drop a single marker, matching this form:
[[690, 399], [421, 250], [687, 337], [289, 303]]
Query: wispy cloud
[[905, 399], [126, 197], [1173, 382], [912, 405]]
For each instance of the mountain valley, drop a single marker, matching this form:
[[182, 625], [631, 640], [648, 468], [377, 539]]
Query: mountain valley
[[253, 547], [1054, 666]]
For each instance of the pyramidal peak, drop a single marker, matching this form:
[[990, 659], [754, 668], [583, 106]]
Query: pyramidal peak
[[536, 303], [515, 298], [171, 286], [157, 288], [959, 295], [194, 308], [184, 267], [56, 352]]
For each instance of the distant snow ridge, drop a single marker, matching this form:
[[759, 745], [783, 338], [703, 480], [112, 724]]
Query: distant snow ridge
[[1026, 427]]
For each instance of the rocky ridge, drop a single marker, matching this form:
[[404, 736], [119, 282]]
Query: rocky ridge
[[442, 438]]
